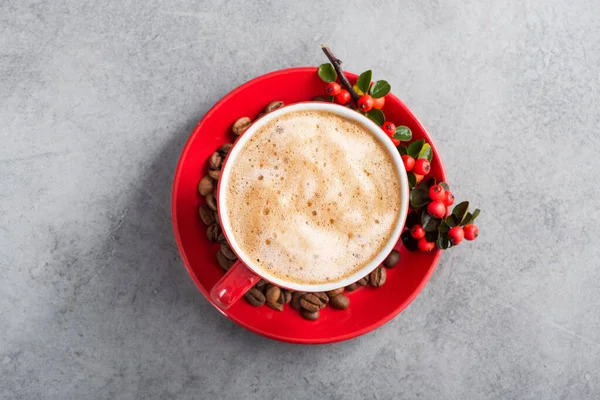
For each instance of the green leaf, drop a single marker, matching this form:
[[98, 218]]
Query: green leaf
[[419, 197], [403, 133], [443, 242], [470, 218], [327, 73], [429, 223], [466, 220], [451, 221], [376, 116], [415, 147], [444, 227], [412, 180], [412, 219], [380, 89], [426, 152], [432, 236], [408, 241], [402, 149], [460, 210], [444, 185], [364, 81], [430, 182]]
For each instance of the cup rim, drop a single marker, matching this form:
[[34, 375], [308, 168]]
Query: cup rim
[[338, 110]]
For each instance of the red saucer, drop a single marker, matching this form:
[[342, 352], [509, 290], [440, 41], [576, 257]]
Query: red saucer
[[369, 307]]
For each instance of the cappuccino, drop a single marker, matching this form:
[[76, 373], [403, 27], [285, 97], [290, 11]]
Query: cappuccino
[[312, 197]]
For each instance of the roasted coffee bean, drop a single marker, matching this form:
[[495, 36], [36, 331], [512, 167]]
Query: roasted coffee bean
[[255, 297], [215, 174], [352, 287], [285, 297], [377, 277], [262, 284], [310, 302], [341, 301], [214, 162], [314, 301], [296, 300], [333, 293], [211, 201], [224, 149], [323, 296], [205, 186], [273, 293], [227, 252], [363, 281], [260, 114], [275, 305], [274, 105], [241, 125], [392, 259], [318, 98], [221, 238], [310, 315], [212, 232], [224, 262], [206, 215]]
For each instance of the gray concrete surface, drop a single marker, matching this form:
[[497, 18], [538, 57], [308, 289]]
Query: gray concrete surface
[[97, 99]]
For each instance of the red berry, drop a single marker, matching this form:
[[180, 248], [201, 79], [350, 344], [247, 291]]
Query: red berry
[[379, 103], [422, 166], [471, 232], [333, 89], [417, 232], [449, 199], [396, 142], [365, 103], [425, 246], [409, 162], [389, 128], [436, 192], [342, 97], [456, 234], [436, 209]]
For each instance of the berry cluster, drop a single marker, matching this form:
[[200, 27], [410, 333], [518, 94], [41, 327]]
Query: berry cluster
[[430, 222], [370, 99]]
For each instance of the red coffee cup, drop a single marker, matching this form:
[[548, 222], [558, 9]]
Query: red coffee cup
[[245, 273]]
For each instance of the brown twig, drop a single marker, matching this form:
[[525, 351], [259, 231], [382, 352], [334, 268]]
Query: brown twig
[[343, 80]]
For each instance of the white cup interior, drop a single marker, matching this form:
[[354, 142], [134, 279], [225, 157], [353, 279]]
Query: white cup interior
[[342, 111]]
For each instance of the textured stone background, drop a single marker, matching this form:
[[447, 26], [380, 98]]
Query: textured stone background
[[97, 99]]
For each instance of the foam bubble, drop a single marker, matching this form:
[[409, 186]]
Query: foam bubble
[[308, 209]]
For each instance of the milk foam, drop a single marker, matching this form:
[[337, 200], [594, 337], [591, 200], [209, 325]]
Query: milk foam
[[312, 197]]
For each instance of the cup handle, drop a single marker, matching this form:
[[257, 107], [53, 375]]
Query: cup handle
[[233, 285]]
